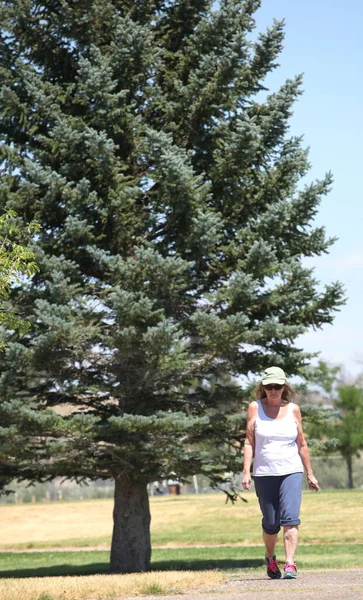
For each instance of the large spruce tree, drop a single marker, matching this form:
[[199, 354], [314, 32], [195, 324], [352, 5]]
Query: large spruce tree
[[139, 134], [16, 262]]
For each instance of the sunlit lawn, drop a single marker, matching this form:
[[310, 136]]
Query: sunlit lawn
[[204, 538], [327, 517]]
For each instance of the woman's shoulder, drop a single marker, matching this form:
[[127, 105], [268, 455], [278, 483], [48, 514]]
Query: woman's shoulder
[[253, 407], [295, 409]]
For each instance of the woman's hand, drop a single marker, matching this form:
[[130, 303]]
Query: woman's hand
[[313, 482], [246, 481]]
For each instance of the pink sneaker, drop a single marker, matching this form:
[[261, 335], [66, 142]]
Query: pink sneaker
[[290, 571]]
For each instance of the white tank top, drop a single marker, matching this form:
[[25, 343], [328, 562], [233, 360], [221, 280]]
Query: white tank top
[[276, 451]]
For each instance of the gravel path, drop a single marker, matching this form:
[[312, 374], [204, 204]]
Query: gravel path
[[325, 584]]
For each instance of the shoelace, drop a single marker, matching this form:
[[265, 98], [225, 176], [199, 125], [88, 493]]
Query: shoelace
[[273, 566], [291, 566]]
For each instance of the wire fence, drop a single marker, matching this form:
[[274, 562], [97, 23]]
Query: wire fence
[[331, 471]]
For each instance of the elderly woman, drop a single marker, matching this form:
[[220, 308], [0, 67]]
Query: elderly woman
[[275, 439]]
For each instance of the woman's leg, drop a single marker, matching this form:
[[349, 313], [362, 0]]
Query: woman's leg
[[267, 490], [290, 502], [291, 536], [270, 541]]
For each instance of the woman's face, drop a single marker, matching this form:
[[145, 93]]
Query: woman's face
[[273, 391]]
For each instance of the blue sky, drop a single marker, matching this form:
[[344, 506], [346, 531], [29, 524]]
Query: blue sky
[[324, 41]]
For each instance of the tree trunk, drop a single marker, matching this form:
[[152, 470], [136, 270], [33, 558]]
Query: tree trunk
[[131, 547], [350, 471]]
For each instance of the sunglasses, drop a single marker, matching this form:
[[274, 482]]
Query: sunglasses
[[273, 386]]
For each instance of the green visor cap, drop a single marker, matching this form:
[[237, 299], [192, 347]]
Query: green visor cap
[[273, 375]]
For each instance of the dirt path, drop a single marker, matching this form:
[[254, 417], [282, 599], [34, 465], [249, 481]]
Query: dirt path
[[324, 584]]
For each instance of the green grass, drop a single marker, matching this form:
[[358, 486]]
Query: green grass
[[44, 564], [155, 589]]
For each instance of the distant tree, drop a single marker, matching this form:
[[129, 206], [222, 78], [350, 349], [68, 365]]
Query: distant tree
[[348, 428], [326, 376], [340, 427], [317, 400], [139, 134]]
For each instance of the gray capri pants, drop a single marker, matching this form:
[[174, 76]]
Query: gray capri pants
[[280, 500]]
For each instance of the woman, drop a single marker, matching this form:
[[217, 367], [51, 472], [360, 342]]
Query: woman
[[275, 439]]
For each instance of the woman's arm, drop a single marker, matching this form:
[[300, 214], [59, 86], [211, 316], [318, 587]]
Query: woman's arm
[[249, 448], [304, 451]]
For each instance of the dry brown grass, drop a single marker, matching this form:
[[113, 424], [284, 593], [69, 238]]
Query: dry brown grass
[[24, 524], [103, 587], [327, 517], [179, 521]]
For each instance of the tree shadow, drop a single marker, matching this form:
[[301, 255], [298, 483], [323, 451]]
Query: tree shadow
[[159, 565], [58, 571], [207, 564]]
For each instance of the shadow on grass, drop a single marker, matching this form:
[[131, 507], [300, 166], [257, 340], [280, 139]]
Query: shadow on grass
[[58, 571], [103, 568], [206, 564]]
